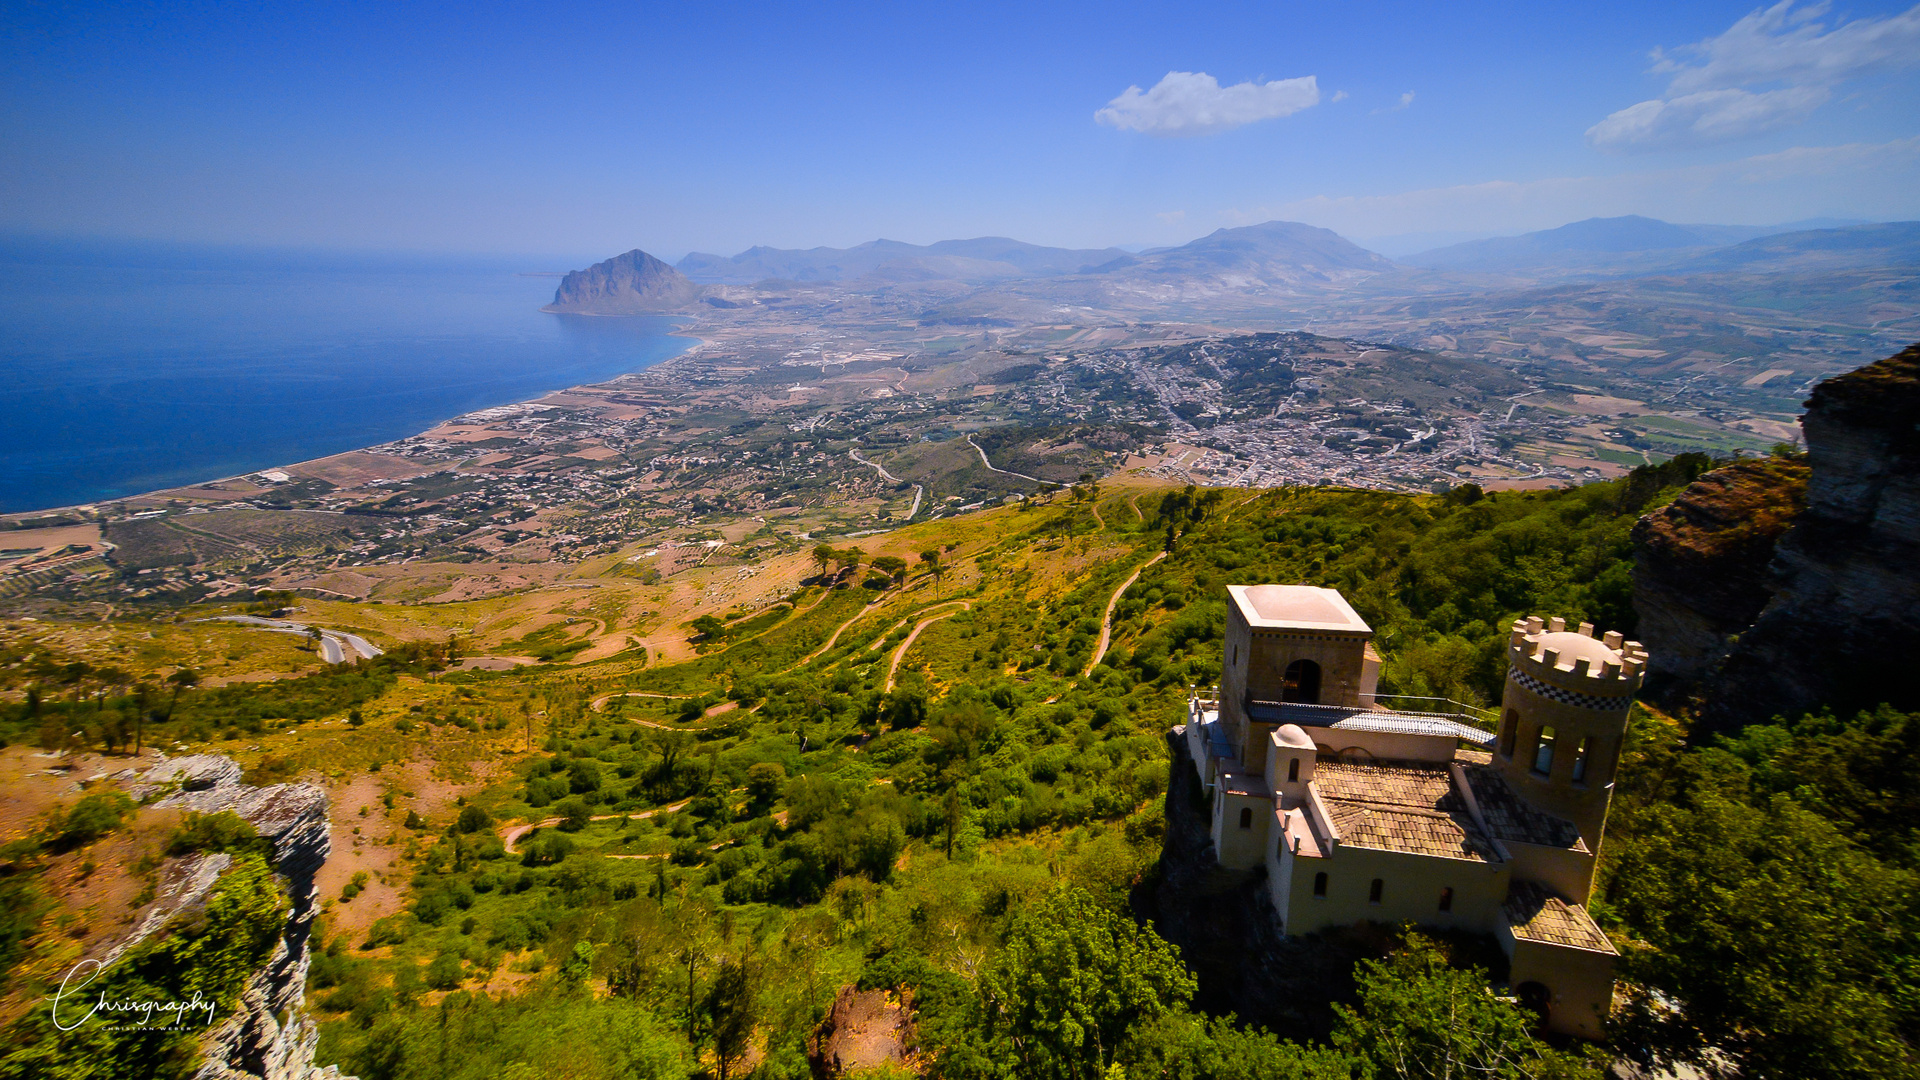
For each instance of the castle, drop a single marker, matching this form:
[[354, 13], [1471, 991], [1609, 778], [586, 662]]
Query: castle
[[1362, 813]]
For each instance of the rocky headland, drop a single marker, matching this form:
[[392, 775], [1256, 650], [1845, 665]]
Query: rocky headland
[[632, 284]]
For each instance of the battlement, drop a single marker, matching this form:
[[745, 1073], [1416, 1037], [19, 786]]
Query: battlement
[[1576, 659]]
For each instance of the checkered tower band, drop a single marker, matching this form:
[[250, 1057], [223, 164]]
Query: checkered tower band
[[1568, 697]]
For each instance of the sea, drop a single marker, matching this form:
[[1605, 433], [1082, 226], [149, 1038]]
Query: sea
[[126, 368]]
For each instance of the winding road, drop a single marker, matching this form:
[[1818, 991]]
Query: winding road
[[1003, 472], [918, 490], [1106, 621], [894, 664], [511, 835]]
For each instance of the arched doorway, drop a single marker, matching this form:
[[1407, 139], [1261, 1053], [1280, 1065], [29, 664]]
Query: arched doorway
[[1301, 683]]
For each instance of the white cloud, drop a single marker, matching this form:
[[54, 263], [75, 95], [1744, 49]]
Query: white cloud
[[1338, 95], [1708, 116], [1864, 180], [1194, 103], [1770, 70], [1406, 99]]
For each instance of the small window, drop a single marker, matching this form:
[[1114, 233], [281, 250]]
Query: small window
[[1293, 770], [1580, 760], [1236, 655], [1509, 730], [1543, 752], [1320, 884], [1246, 817], [1446, 899], [1374, 891]]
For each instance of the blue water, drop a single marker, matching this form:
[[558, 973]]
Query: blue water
[[124, 369]]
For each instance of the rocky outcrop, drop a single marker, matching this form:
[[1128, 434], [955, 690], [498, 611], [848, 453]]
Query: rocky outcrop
[[268, 1036], [865, 1030], [632, 284], [1842, 624], [1700, 568]]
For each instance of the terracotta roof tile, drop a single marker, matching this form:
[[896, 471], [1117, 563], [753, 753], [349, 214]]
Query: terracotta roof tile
[[1399, 806], [1512, 818], [1537, 915]]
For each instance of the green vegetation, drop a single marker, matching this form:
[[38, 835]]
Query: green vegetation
[[207, 958], [979, 833], [1768, 886]]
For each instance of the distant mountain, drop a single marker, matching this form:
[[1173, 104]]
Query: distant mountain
[[632, 284], [1602, 244], [1274, 252], [987, 258], [1893, 243]]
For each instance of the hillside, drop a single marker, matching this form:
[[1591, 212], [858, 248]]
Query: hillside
[[916, 773]]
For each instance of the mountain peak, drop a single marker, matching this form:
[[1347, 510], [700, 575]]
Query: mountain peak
[[635, 283]]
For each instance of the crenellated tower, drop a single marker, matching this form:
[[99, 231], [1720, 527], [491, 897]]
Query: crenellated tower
[[1563, 716]]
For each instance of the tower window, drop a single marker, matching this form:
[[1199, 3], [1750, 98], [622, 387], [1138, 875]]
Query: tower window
[[1543, 752], [1446, 899], [1236, 655], [1374, 891], [1246, 817], [1509, 730], [1293, 770], [1320, 884], [1580, 760], [1301, 683]]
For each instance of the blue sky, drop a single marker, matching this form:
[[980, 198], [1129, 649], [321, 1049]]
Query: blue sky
[[578, 129]]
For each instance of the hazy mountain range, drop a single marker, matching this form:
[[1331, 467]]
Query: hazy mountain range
[[1278, 257]]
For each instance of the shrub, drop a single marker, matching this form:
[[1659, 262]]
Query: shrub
[[93, 817], [223, 831]]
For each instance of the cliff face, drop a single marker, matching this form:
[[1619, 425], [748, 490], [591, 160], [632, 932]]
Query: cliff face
[[1840, 626], [1700, 569], [268, 1036], [632, 284]]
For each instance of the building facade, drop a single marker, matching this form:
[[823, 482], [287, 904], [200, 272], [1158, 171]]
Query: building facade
[[1362, 813]]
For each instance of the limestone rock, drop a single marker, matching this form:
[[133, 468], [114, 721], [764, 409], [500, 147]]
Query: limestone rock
[[632, 284], [195, 772], [268, 1036], [1700, 568], [1843, 625]]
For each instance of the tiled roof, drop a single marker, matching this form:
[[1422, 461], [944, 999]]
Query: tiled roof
[[1512, 818], [1537, 915], [1399, 806]]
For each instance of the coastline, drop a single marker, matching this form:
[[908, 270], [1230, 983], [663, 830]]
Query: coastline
[[11, 520]]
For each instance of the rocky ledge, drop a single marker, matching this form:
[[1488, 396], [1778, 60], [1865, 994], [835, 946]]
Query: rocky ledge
[[268, 1036]]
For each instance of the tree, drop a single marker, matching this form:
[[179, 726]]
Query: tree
[[764, 781], [708, 628], [184, 679], [1420, 1019], [574, 814], [849, 559], [823, 555], [893, 566], [729, 1009], [473, 819], [1073, 978]]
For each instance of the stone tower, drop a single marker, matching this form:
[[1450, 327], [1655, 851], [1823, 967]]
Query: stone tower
[[1563, 716]]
